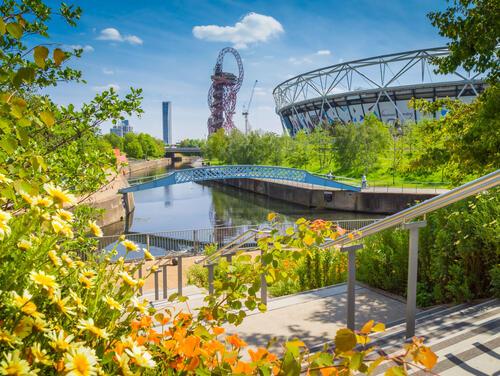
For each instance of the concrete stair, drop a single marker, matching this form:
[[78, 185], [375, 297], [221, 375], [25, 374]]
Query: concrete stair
[[465, 337]]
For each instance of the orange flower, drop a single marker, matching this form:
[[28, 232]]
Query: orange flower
[[318, 225], [236, 341], [213, 346], [141, 340], [243, 368], [190, 346], [135, 325], [340, 230], [257, 355], [218, 330], [146, 321], [329, 371]]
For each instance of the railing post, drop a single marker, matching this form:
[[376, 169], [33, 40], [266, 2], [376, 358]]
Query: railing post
[[157, 292], [351, 284], [179, 275], [195, 241], [164, 280], [147, 242], [211, 278], [263, 283], [140, 276], [411, 295]]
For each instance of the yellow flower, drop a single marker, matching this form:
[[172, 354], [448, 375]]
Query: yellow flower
[[95, 229], [142, 357], [24, 327], [14, 365], [112, 303], [78, 301], [54, 258], [127, 279], [26, 197], [68, 260], [40, 324], [60, 341], [61, 227], [80, 361], [86, 282], [8, 338], [129, 245], [65, 215], [59, 196], [4, 228], [40, 355], [47, 281], [25, 304], [24, 245], [147, 255], [42, 202], [141, 307], [88, 273], [4, 179], [89, 326], [61, 304]]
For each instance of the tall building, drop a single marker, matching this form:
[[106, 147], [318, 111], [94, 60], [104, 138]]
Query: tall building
[[167, 122], [122, 129]]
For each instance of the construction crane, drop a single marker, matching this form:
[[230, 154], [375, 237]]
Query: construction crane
[[247, 109]]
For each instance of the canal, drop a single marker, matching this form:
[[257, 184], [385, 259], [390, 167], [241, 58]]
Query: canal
[[196, 206]]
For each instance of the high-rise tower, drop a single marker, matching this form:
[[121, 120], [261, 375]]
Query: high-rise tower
[[167, 122]]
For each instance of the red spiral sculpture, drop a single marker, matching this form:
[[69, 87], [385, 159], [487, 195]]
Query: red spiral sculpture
[[222, 93]]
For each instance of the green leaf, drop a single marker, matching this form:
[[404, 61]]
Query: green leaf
[[24, 74], [345, 340], [2, 27], [41, 53], [9, 144], [395, 371], [15, 30], [356, 361], [59, 56], [47, 118]]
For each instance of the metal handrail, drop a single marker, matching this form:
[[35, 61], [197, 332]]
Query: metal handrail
[[471, 188], [208, 259]]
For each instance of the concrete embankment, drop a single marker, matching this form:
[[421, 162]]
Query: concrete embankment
[[140, 165], [372, 201], [116, 206]]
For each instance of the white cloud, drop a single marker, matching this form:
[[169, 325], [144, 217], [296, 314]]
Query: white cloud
[[116, 87], [323, 52], [86, 48], [299, 61], [253, 28], [260, 92], [108, 71], [114, 35]]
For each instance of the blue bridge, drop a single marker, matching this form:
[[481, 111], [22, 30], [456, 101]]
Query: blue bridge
[[235, 172]]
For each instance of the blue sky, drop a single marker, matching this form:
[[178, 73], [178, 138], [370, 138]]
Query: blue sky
[[169, 48]]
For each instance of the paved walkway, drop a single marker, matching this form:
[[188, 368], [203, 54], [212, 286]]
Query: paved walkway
[[312, 316], [407, 189]]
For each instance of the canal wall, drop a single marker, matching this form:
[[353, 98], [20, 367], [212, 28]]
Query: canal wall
[[140, 165], [116, 206], [362, 202]]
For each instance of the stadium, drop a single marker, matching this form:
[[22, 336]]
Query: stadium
[[382, 85]]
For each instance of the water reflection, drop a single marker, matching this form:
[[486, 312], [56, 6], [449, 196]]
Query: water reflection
[[196, 206]]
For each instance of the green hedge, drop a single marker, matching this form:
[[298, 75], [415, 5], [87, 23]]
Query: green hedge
[[459, 254]]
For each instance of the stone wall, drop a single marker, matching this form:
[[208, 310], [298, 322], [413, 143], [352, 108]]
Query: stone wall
[[116, 205], [363, 202]]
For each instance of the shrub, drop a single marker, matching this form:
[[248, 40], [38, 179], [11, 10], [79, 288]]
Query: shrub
[[458, 254]]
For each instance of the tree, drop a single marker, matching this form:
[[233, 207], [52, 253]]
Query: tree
[[216, 146], [474, 29], [359, 146], [299, 150]]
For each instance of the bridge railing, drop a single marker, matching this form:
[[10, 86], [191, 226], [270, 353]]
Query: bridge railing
[[171, 248]]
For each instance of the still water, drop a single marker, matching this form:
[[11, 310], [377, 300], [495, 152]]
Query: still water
[[196, 206]]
